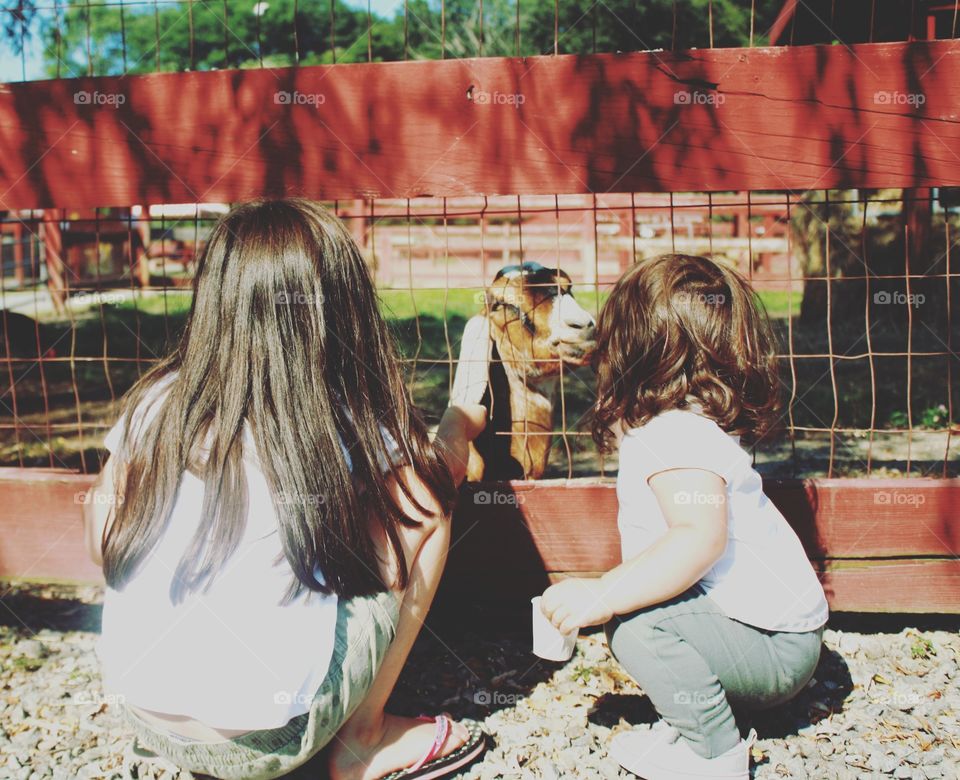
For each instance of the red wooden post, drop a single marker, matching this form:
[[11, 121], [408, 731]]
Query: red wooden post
[[53, 258], [18, 271]]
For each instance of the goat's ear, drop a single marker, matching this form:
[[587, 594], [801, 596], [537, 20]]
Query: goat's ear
[[488, 302]]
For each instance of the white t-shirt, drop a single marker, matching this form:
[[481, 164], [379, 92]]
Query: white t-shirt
[[763, 577], [232, 658]]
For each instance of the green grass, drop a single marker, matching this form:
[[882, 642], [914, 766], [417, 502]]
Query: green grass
[[442, 304], [427, 325], [174, 303], [396, 304], [406, 304], [781, 304]]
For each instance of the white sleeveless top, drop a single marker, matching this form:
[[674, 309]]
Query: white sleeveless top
[[232, 657], [763, 577]]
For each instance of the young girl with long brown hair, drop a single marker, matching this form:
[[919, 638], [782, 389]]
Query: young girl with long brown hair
[[273, 519], [715, 603]]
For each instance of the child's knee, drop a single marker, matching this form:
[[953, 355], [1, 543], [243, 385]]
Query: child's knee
[[631, 637]]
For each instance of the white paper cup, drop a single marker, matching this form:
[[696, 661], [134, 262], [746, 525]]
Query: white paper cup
[[548, 642]]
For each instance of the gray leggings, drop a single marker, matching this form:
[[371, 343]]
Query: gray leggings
[[694, 662]]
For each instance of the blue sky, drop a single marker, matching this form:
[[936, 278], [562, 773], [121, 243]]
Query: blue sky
[[12, 66]]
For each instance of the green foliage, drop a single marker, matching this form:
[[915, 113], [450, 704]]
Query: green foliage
[[631, 26], [15, 23], [27, 664], [936, 417], [109, 40], [899, 420], [113, 39], [922, 648], [583, 673]]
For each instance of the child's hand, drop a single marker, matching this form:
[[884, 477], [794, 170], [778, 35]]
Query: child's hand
[[575, 603], [469, 419]]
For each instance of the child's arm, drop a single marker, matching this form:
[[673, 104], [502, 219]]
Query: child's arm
[[693, 502], [97, 507], [460, 424]]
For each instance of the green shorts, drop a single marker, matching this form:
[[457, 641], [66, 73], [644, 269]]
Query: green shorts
[[366, 626]]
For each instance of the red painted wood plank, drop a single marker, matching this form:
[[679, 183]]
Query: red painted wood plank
[[513, 536], [905, 585], [919, 585], [872, 518], [573, 525], [705, 120], [42, 525], [553, 525]]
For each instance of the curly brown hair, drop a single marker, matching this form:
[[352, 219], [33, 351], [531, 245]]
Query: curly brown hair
[[678, 329]]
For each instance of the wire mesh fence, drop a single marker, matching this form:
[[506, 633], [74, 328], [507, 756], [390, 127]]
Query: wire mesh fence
[[861, 284], [863, 310], [113, 37]]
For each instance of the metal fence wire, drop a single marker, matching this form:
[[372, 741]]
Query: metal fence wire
[[861, 284], [866, 333], [114, 37]]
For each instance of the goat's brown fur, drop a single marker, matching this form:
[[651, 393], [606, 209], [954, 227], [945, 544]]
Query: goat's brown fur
[[525, 364]]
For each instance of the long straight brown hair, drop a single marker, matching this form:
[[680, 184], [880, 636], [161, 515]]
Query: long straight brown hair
[[284, 333]]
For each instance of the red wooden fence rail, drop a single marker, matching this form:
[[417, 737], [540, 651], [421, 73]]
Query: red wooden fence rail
[[881, 545], [813, 117]]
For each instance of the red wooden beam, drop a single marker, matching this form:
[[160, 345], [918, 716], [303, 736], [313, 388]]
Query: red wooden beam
[[870, 115], [893, 585], [573, 526], [880, 544], [42, 525], [889, 585]]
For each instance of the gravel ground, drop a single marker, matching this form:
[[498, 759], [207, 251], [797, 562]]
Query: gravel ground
[[882, 704]]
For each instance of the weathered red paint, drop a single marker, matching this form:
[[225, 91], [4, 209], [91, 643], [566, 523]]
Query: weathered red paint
[[790, 118], [881, 545]]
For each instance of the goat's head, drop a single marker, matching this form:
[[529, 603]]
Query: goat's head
[[536, 322]]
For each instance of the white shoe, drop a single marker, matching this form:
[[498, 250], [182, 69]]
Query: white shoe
[[662, 754], [637, 742]]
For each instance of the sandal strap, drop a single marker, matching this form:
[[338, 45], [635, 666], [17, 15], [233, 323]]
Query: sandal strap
[[443, 730]]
